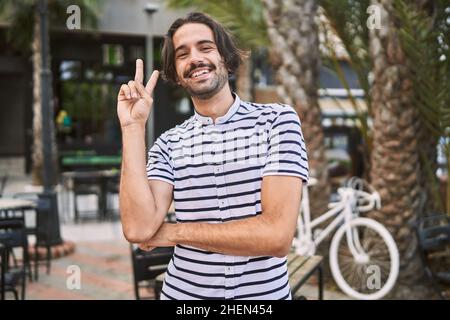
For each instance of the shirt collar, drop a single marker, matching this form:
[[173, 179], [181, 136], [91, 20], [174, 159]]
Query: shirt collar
[[231, 111]]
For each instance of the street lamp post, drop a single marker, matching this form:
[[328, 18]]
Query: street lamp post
[[48, 206], [150, 9]]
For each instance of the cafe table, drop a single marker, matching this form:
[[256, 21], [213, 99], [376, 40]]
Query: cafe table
[[100, 178], [95, 162], [8, 205]]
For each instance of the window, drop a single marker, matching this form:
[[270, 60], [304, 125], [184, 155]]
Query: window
[[112, 54]]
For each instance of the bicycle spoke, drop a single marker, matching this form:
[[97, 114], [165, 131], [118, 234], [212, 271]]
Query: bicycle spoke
[[359, 276], [384, 266], [349, 264], [362, 278]]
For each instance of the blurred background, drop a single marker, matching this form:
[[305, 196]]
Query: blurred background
[[369, 80]]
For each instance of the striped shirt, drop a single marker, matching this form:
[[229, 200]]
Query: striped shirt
[[216, 170]]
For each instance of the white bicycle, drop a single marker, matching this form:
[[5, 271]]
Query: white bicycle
[[364, 263]]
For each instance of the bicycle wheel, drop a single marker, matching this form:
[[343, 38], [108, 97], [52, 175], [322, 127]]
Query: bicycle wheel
[[372, 272]]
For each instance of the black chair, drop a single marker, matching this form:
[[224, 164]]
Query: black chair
[[3, 180], [3, 266], [83, 186], [8, 280], [39, 231], [112, 189], [13, 215], [433, 233], [12, 236], [147, 266]]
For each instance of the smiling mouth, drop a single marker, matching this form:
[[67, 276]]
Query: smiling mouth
[[196, 73]]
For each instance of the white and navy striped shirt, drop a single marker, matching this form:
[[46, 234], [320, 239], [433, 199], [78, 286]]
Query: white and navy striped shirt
[[216, 170]]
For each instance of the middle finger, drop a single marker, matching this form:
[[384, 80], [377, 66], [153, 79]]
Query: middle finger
[[134, 92]]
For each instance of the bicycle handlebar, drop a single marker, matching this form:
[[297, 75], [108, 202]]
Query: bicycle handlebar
[[364, 201]]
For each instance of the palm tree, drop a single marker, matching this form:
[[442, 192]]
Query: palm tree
[[397, 172], [24, 20], [293, 32], [425, 38], [421, 31], [344, 23]]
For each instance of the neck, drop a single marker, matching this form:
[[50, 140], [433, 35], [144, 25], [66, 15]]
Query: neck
[[215, 106]]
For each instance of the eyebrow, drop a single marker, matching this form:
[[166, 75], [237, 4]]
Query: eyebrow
[[197, 44]]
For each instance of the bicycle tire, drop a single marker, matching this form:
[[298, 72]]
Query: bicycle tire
[[393, 256]]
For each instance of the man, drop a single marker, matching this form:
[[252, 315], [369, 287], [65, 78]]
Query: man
[[234, 171]]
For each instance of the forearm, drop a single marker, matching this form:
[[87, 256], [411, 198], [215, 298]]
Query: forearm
[[256, 236], [267, 234], [137, 203]]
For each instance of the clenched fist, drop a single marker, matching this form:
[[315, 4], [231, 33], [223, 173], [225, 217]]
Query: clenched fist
[[135, 101]]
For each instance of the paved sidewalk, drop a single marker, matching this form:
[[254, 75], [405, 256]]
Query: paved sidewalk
[[105, 270]]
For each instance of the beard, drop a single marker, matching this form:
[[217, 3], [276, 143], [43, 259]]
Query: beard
[[210, 87]]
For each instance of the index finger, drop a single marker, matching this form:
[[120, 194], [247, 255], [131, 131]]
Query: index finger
[[139, 76], [152, 82]]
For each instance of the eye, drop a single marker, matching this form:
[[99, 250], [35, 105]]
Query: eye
[[206, 49], [181, 55]]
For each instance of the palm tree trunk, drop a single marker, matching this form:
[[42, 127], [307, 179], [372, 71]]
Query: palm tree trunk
[[37, 148], [37, 156], [244, 80], [295, 55], [396, 172]]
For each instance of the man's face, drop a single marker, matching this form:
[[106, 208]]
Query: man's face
[[198, 63]]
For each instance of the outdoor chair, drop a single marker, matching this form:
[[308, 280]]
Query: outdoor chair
[[8, 216], [433, 233], [3, 181], [38, 230], [13, 236], [147, 266], [83, 187], [112, 190], [3, 267]]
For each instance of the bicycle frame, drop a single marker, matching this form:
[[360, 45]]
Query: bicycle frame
[[343, 220], [305, 242]]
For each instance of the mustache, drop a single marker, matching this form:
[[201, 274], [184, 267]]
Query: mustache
[[199, 65]]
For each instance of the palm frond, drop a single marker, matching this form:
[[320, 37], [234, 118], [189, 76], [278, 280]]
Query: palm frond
[[425, 42], [419, 36], [347, 20], [244, 18], [21, 14]]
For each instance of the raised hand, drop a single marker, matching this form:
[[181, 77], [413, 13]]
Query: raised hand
[[135, 101]]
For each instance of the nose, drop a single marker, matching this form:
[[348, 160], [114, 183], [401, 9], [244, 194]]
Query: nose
[[196, 56]]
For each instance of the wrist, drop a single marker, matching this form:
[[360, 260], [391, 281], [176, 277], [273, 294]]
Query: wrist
[[174, 235], [135, 126], [133, 130]]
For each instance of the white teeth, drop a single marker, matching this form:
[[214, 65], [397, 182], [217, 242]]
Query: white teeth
[[199, 73]]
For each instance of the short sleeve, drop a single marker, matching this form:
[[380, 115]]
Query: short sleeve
[[286, 151], [159, 166]]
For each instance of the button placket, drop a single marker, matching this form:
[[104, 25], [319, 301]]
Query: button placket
[[229, 282], [219, 176], [219, 167], [221, 192]]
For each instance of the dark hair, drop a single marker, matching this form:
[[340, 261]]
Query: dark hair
[[231, 54]]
